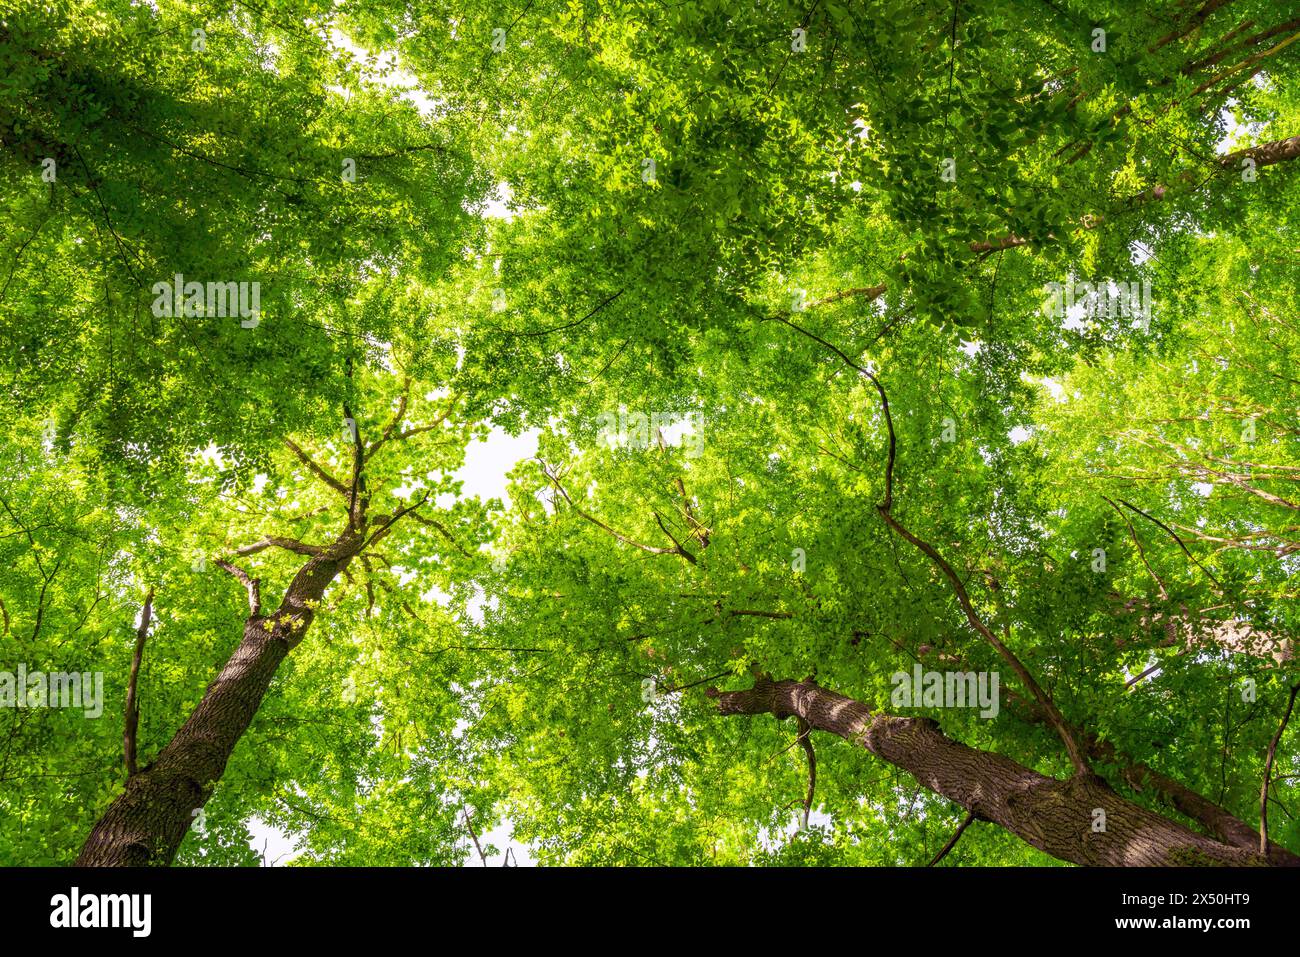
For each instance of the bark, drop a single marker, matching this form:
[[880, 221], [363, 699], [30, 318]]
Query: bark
[[131, 718], [1193, 23], [145, 825], [1266, 154], [1223, 825], [1055, 816], [1217, 822]]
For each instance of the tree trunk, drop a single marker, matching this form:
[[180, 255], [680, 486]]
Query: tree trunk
[[146, 823], [1056, 816]]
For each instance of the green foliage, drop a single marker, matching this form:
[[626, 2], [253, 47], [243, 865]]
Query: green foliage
[[703, 223]]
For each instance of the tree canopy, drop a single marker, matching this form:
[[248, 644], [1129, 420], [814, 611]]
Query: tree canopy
[[863, 343]]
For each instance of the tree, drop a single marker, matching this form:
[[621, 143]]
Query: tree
[[876, 352]]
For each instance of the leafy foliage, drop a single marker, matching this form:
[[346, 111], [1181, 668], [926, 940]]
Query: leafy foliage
[[728, 218]]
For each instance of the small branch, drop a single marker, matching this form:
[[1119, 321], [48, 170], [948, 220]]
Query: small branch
[[1268, 772], [804, 730], [1174, 536], [652, 549], [1054, 716], [478, 847], [568, 325], [253, 585], [952, 841], [402, 435], [700, 532], [315, 469], [437, 526], [884, 405], [693, 684], [388, 525], [132, 719], [680, 551], [1164, 593], [395, 421]]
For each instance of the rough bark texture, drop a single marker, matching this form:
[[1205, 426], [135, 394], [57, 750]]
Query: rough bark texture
[[1055, 816], [147, 822], [1218, 822]]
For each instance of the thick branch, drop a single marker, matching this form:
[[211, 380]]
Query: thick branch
[[1218, 822], [1056, 816], [278, 541]]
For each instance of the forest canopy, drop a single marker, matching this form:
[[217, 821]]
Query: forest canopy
[[923, 372]]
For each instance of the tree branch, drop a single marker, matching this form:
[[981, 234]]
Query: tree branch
[[1049, 814], [1164, 593], [952, 841], [355, 507], [278, 541], [478, 847], [132, 717], [437, 526], [1268, 772], [885, 509], [1174, 536], [652, 549], [253, 585], [316, 470]]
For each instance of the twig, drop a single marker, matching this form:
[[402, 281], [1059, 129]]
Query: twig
[[1164, 593]]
